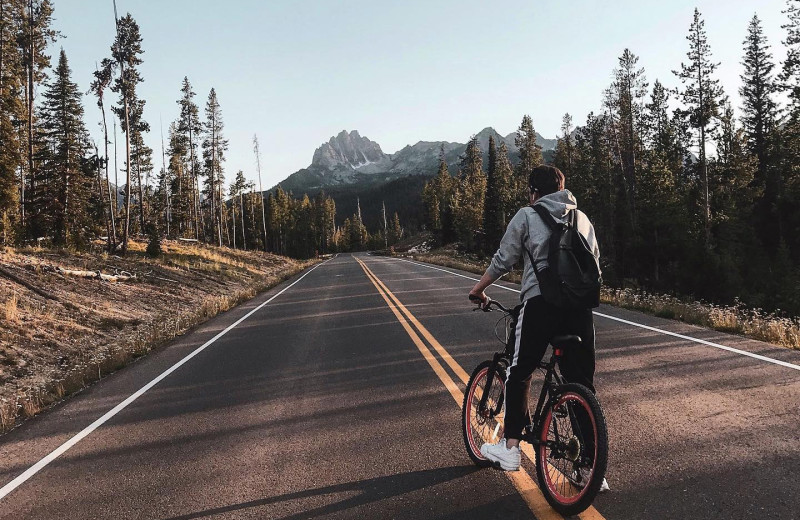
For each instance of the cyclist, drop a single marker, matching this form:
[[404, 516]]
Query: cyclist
[[538, 321]]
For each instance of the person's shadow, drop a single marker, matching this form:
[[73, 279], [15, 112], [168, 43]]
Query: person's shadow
[[371, 490]]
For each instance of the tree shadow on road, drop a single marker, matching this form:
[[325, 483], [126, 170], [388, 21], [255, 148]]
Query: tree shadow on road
[[370, 490]]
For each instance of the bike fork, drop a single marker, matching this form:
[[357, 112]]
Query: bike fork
[[487, 388]]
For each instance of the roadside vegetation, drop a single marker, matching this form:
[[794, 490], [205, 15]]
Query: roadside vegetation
[[69, 318], [734, 319]]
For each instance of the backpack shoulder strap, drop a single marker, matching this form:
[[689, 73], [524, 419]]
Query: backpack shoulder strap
[[549, 221], [545, 215]]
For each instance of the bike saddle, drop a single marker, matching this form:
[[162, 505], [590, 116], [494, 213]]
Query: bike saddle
[[562, 341]]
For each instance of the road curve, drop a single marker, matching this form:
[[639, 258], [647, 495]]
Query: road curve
[[321, 405]]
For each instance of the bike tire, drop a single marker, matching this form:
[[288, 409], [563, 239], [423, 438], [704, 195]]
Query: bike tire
[[476, 429], [551, 478]]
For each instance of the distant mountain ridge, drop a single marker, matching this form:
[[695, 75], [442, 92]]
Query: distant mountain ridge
[[349, 159]]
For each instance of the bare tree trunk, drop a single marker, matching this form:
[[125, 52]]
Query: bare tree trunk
[[126, 230], [65, 209], [29, 98], [110, 224], [260, 190], [199, 224], [703, 162], [223, 213], [116, 170], [196, 191], [103, 197], [141, 190], [214, 178], [241, 211], [233, 214]]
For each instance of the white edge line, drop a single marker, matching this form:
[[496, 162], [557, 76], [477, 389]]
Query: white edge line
[[784, 364], [14, 484]]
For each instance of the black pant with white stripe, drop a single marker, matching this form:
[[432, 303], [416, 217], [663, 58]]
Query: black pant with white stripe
[[538, 322]]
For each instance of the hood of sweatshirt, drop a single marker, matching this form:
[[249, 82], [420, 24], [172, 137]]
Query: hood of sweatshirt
[[527, 239], [558, 204]]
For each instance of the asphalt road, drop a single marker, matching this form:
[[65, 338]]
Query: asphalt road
[[323, 404]]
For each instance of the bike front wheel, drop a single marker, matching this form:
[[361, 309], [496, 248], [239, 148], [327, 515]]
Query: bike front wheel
[[572, 454], [483, 425]]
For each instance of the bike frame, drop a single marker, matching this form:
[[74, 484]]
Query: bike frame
[[548, 393]]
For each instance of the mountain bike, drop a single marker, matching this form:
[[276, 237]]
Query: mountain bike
[[567, 429]]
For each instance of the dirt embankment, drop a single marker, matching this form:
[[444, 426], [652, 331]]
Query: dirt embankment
[[62, 326]]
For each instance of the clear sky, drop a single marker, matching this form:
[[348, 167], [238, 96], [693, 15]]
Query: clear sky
[[297, 72]]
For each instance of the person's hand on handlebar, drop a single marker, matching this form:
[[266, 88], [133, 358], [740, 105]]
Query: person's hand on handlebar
[[480, 298]]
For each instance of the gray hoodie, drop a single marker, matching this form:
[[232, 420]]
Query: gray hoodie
[[527, 230]]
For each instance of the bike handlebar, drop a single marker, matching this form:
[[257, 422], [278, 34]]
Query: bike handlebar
[[487, 307]]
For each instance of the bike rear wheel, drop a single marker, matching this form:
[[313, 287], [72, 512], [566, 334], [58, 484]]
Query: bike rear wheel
[[479, 426], [570, 461]]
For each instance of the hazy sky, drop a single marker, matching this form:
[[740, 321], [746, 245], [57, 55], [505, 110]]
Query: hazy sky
[[297, 72]]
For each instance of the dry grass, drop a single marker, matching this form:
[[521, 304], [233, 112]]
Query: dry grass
[[735, 319], [49, 349], [11, 311]]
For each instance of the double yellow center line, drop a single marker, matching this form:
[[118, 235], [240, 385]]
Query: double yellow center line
[[521, 479]]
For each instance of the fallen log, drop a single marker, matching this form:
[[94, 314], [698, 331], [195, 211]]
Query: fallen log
[[97, 275]]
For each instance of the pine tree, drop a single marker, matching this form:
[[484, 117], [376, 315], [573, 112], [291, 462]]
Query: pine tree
[[214, 147], [530, 156], [190, 127], [125, 52], [759, 119], [237, 189], [64, 186], [493, 224], [732, 174], [12, 111], [325, 222], [181, 188], [438, 196], [593, 178], [788, 143], [277, 217], [757, 91], [504, 178], [470, 195], [141, 159], [701, 96], [662, 162], [625, 104], [34, 36], [790, 74], [395, 230], [565, 147]]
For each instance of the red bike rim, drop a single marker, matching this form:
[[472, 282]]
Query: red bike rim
[[551, 471], [476, 449]]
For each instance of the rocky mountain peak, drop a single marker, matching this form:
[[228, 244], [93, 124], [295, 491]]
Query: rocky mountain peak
[[347, 150]]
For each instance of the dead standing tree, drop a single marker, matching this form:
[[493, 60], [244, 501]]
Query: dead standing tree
[[98, 87]]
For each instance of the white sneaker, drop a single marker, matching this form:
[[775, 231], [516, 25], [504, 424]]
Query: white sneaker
[[507, 458], [584, 477]]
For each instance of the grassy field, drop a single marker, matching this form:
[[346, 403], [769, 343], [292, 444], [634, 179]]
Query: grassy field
[[735, 319], [60, 331]]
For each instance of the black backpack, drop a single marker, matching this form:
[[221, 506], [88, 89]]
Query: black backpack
[[572, 279]]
